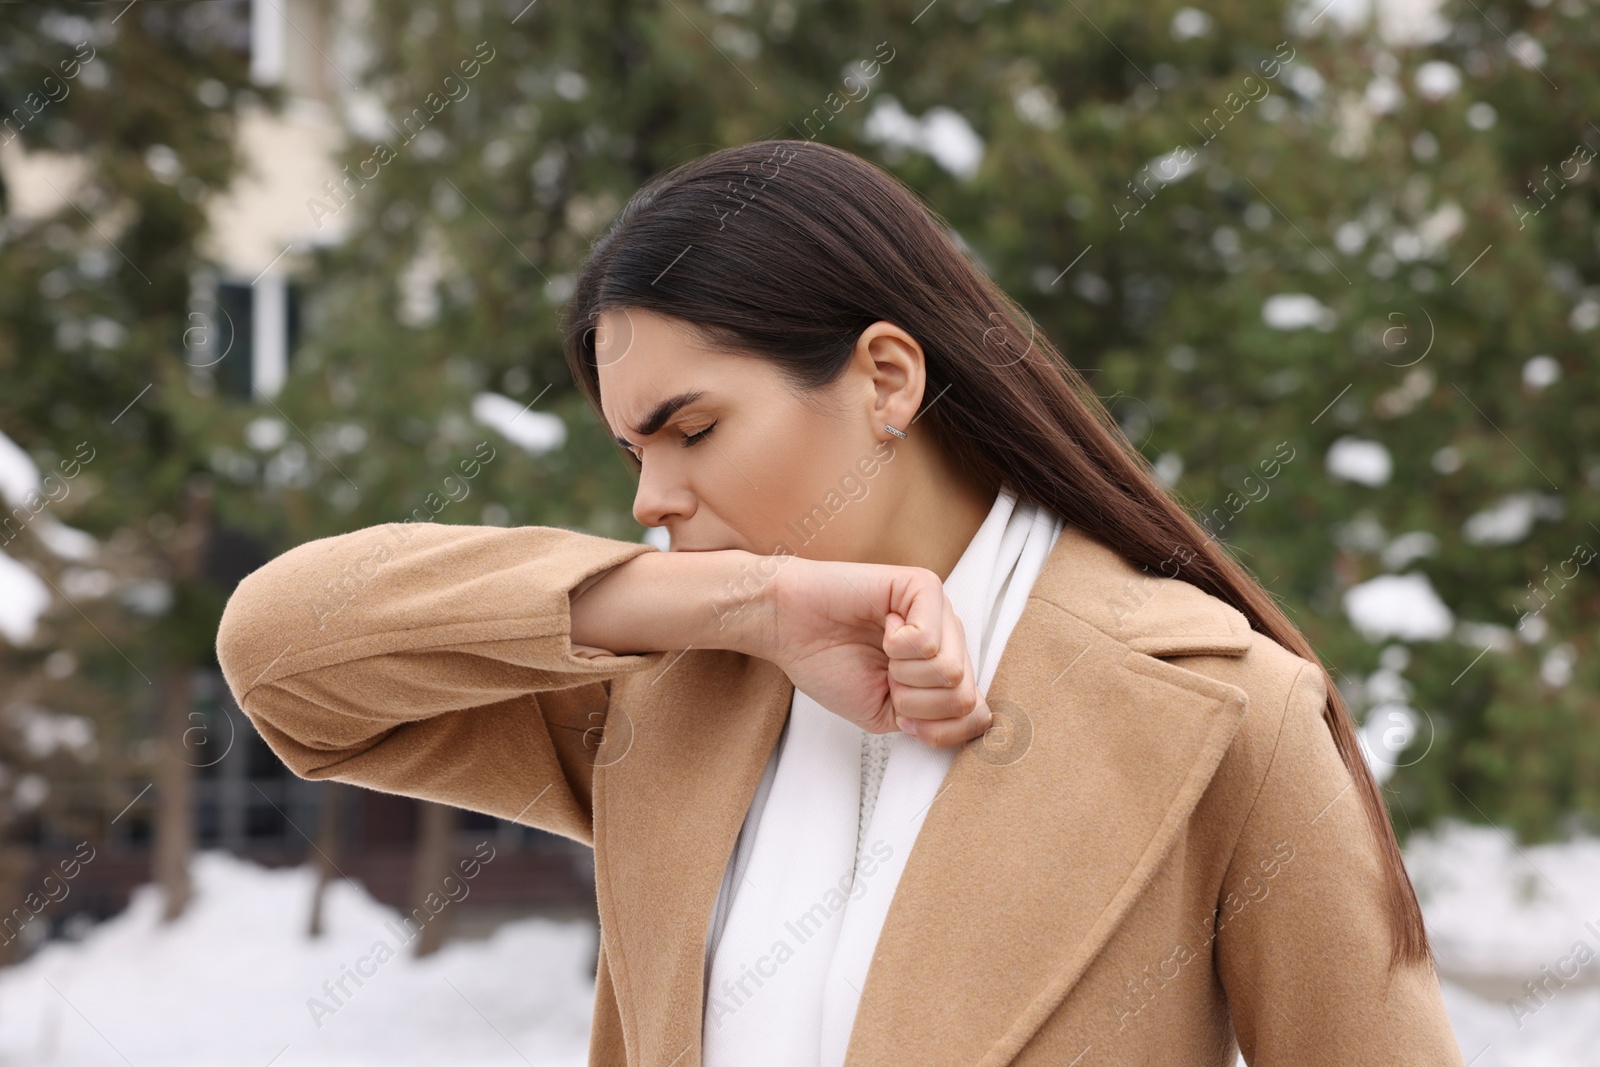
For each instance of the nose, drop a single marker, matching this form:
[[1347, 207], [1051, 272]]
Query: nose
[[661, 496]]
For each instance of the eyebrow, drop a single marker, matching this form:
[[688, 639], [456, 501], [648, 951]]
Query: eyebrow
[[662, 412]]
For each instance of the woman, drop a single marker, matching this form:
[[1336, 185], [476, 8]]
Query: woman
[[921, 591]]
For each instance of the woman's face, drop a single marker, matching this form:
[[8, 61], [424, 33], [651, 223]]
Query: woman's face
[[731, 457]]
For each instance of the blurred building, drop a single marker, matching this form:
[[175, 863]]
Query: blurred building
[[245, 800]]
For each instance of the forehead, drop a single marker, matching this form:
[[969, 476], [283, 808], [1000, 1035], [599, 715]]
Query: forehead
[[642, 358], [622, 335]]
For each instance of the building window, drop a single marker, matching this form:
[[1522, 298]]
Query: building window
[[256, 328]]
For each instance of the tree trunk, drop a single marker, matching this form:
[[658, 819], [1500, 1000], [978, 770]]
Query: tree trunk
[[182, 734], [325, 856], [16, 863], [174, 830], [435, 852]]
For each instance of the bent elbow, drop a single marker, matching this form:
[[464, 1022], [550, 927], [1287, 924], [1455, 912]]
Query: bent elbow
[[251, 634]]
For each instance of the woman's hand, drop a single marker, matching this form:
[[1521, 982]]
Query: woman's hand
[[877, 645]]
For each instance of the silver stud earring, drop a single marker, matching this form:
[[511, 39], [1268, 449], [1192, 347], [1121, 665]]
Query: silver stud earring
[[898, 433]]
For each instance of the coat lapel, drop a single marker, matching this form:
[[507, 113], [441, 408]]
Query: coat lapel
[[1038, 844], [1099, 752], [668, 808]]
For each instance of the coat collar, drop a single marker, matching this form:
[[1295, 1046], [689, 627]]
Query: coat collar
[[1088, 718]]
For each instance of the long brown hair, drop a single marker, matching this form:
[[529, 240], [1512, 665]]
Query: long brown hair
[[788, 249]]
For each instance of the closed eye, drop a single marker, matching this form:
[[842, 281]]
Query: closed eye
[[689, 441], [695, 438]]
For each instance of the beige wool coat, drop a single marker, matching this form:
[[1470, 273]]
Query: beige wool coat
[[1155, 856]]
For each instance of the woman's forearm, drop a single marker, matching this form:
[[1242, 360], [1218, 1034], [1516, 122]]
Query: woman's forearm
[[670, 600]]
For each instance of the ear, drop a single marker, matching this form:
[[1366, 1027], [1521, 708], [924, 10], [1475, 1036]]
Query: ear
[[893, 361]]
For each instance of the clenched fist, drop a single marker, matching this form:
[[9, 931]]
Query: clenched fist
[[879, 645]]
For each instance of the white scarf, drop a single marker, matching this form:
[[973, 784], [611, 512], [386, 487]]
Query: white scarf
[[797, 918]]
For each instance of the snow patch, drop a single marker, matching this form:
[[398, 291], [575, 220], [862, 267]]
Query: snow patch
[[1399, 23], [1398, 605], [65, 541], [1386, 733], [1409, 547], [535, 431], [43, 731], [1294, 311], [1509, 520], [19, 480], [230, 981], [1541, 372], [1437, 79], [1174, 166], [23, 599], [1168, 468], [1357, 460], [942, 133], [1493, 906], [19, 475], [266, 433], [1190, 22]]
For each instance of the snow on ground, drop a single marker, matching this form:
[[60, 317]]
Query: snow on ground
[[230, 983], [1565, 1033], [1492, 904], [228, 986], [1501, 915]]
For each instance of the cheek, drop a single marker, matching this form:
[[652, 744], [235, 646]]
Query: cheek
[[756, 478], [818, 490]]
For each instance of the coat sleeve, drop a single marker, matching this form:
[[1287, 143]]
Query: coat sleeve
[[1303, 929], [433, 661]]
